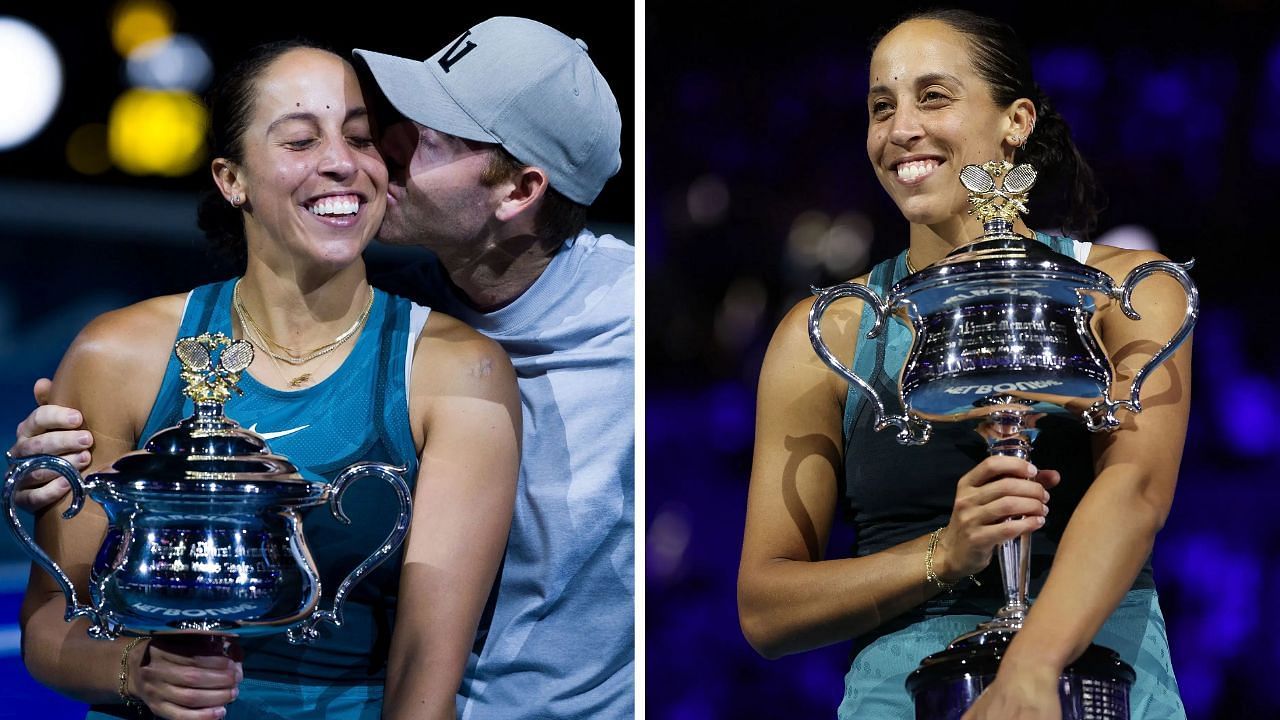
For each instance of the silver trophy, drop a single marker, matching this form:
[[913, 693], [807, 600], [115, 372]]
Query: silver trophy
[[1004, 334], [204, 531]]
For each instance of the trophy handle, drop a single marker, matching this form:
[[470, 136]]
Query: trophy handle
[[911, 431], [100, 628], [306, 631], [1102, 415]]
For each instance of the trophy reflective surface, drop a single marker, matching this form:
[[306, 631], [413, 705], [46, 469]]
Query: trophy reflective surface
[[204, 533], [1006, 332]]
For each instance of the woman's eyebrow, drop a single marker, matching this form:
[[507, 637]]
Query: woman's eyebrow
[[926, 79]]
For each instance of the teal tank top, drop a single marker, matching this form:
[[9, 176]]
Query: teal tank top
[[359, 413], [895, 493]]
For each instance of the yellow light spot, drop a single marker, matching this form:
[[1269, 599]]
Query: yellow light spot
[[137, 22], [87, 149], [157, 132]]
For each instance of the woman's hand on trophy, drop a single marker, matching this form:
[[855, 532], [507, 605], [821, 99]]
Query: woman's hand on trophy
[[187, 677], [1001, 498], [49, 430], [1025, 693]]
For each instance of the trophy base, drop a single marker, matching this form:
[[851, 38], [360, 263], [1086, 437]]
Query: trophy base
[[1094, 687]]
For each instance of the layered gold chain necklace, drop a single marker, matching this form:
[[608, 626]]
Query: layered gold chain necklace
[[289, 355]]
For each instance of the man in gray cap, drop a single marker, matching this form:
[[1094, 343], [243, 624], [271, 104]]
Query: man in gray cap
[[503, 138], [496, 146]]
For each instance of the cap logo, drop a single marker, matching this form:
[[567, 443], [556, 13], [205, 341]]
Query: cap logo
[[456, 53]]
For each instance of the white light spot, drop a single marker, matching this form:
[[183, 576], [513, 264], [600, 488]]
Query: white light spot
[[177, 62], [805, 237], [668, 538], [708, 200], [845, 246], [31, 84]]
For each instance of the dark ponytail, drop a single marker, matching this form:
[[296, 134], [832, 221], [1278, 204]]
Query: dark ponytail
[[1066, 177], [1066, 188], [223, 226]]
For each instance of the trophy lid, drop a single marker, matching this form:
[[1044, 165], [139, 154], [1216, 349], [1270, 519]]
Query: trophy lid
[[207, 454], [1000, 258]]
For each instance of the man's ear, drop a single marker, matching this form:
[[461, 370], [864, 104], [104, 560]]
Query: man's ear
[[524, 193]]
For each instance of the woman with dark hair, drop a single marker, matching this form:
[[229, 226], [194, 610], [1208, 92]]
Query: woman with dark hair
[[948, 89], [341, 373]]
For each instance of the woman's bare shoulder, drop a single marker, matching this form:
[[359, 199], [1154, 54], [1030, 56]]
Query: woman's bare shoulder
[[838, 325], [114, 367], [1118, 262], [452, 356], [131, 335]]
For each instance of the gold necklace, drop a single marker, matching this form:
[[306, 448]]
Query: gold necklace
[[290, 356], [910, 269], [296, 382]]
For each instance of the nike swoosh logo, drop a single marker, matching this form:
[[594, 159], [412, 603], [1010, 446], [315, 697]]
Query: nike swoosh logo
[[273, 435]]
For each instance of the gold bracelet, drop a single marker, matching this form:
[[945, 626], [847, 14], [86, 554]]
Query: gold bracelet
[[929, 574], [132, 702]]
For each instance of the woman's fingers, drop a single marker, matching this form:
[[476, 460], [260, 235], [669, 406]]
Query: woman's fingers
[[973, 525], [170, 711], [49, 430], [49, 417], [993, 535], [995, 467], [1048, 478], [35, 494], [999, 499], [188, 677], [40, 488], [1002, 488]]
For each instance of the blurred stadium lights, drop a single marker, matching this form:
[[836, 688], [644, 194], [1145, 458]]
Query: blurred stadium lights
[[156, 127], [32, 93], [738, 319], [841, 245], [668, 538], [846, 245], [157, 132], [708, 200], [135, 23], [805, 237], [87, 149], [177, 62], [1267, 118]]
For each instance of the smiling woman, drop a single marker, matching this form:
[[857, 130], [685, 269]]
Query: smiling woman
[[342, 373], [948, 89]]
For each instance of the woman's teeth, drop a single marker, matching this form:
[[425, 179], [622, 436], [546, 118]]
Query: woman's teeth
[[916, 169], [337, 205]]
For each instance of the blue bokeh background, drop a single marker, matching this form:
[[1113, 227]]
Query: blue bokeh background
[[75, 246], [758, 186]]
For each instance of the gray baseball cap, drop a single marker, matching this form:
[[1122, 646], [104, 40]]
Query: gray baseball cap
[[520, 84]]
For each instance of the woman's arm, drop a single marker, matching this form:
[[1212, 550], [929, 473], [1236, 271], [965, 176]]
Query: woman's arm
[[1113, 529], [466, 406], [110, 373], [789, 597]]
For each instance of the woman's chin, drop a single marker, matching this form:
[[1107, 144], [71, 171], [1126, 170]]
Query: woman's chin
[[932, 212], [923, 213], [339, 256]]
